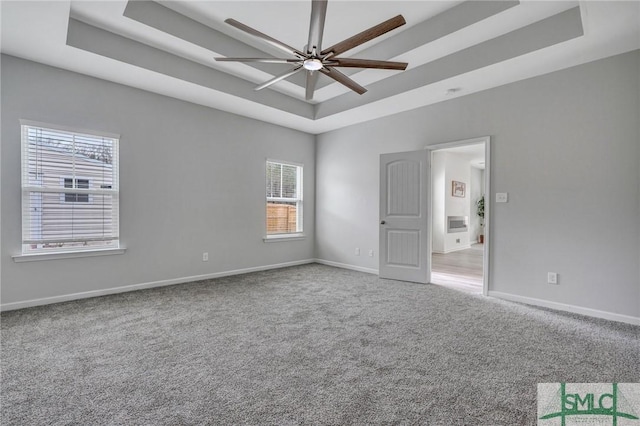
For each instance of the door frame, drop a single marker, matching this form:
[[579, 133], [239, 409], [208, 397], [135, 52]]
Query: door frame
[[487, 205]]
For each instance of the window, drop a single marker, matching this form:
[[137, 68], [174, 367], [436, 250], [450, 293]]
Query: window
[[284, 198], [76, 183], [69, 191]]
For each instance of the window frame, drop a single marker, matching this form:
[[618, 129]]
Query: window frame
[[111, 246], [299, 200]]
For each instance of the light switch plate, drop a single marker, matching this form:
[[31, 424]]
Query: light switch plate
[[502, 197]]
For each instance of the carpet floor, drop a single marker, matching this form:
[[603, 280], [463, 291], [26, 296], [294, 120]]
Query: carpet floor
[[304, 345]]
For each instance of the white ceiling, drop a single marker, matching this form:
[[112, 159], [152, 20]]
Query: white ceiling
[[473, 153], [168, 48]]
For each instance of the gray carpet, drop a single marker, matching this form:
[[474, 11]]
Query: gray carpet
[[303, 345]]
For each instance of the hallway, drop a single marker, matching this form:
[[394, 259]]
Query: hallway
[[459, 269]]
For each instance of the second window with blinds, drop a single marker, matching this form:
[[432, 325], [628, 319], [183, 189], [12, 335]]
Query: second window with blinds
[[284, 200]]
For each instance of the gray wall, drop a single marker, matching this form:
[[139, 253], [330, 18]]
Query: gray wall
[[192, 180], [565, 146]]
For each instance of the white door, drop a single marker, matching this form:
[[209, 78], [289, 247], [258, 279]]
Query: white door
[[404, 177]]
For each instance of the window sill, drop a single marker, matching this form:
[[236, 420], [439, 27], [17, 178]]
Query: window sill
[[283, 237], [65, 255]]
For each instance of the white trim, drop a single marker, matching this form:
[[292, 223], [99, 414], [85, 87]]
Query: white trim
[[288, 163], [70, 129], [346, 266], [456, 144], [565, 307], [27, 190], [486, 222], [276, 238], [123, 289], [298, 200], [34, 257]]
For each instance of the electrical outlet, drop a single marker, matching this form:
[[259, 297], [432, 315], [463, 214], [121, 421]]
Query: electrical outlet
[[502, 197], [205, 257], [370, 252], [357, 251], [552, 278]]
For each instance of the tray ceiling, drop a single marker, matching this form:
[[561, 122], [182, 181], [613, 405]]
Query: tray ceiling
[[453, 48]]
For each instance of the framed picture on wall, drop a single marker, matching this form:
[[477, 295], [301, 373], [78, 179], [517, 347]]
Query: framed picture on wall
[[457, 189]]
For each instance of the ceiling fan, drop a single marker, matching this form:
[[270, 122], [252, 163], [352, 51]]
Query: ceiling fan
[[314, 59]]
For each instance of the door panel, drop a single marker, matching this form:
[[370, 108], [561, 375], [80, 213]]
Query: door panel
[[403, 188], [403, 216], [403, 247]]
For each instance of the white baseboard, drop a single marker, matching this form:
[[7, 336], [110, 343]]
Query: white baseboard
[[465, 247], [103, 292], [347, 266], [568, 308]]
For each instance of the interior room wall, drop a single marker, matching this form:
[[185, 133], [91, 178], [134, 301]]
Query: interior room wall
[[564, 147], [446, 168], [192, 181], [456, 169], [476, 189]]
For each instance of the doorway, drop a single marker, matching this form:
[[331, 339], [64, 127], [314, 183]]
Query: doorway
[[459, 219]]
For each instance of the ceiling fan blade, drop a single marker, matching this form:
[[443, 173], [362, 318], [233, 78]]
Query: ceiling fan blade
[[263, 60], [279, 78], [270, 40], [316, 26], [368, 63], [365, 36], [312, 79], [343, 79]]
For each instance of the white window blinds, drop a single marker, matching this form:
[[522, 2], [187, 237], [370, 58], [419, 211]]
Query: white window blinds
[[69, 191], [284, 198]]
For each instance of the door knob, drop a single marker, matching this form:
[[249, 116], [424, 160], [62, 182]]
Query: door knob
[[383, 222]]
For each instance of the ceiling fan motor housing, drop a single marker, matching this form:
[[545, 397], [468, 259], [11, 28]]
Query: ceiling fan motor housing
[[312, 64]]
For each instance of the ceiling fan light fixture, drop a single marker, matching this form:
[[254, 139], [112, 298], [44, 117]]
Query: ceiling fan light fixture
[[312, 64], [314, 58]]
